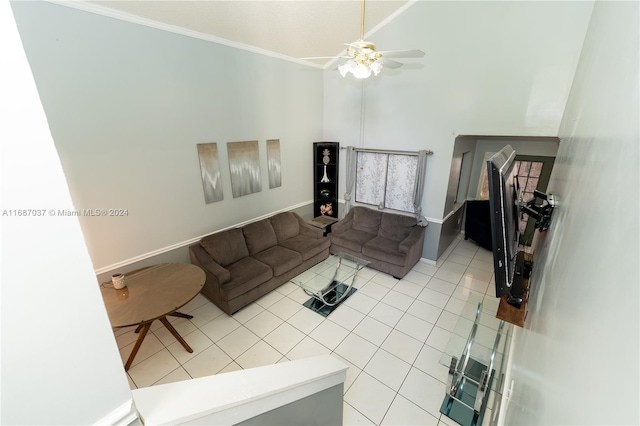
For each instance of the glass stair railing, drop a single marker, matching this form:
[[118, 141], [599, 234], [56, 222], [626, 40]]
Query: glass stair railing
[[470, 378]]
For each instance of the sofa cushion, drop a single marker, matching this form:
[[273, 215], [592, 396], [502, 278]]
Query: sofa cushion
[[384, 249], [396, 227], [351, 239], [307, 247], [367, 220], [279, 259], [246, 274], [225, 247], [285, 225], [259, 236]]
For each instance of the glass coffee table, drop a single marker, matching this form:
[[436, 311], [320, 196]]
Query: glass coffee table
[[328, 290]]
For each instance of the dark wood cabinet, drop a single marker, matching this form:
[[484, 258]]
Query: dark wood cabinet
[[477, 224], [325, 178]]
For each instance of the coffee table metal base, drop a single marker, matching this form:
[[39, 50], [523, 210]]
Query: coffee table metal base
[[340, 293]]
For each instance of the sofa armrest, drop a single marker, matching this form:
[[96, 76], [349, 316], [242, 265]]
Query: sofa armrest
[[415, 236], [343, 225], [308, 230], [201, 258]]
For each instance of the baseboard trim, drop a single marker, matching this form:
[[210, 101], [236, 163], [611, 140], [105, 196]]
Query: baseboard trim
[[428, 261], [457, 207], [190, 241]]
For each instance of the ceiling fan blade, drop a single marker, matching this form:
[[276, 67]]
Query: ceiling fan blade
[[402, 53], [388, 63]]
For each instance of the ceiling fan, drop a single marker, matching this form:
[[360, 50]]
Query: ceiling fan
[[362, 58]]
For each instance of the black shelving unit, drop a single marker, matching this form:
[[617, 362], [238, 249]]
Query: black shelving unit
[[325, 178]]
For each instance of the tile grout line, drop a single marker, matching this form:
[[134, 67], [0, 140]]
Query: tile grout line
[[379, 302]]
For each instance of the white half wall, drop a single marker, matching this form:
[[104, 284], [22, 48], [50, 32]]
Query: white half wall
[[576, 360], [60, 363], [127, 105]]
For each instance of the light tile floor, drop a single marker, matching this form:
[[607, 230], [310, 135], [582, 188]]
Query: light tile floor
[[391, 333]]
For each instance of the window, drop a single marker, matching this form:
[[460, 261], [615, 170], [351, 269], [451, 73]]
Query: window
[[386, 180], [528, 177]]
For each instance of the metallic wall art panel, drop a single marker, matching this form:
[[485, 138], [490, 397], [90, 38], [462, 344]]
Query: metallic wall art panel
[[210, 171], [274, 163], [244, 167]]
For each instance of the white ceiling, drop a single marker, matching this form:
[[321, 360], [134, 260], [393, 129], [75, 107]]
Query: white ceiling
[[293, 28]]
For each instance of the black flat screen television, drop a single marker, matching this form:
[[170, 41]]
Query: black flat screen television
[[504, 202]]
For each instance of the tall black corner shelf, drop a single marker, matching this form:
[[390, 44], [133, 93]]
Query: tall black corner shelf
[[325, 178]]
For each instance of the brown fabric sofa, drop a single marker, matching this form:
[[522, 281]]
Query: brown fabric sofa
[[243, 264], [391, 242]]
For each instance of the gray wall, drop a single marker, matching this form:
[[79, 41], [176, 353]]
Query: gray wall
[[576, 360], [450, 229], [127, 105], [320, 409], [462, 145], [490, 68]]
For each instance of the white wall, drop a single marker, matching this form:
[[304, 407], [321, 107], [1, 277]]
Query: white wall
[[576, 361], [491, 68], [127, 105], [60, 362]]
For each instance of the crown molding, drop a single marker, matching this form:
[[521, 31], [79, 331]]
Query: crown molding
[[128, 17]]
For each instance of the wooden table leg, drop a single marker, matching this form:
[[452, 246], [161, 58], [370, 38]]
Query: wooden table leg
[[181, 315], [175, 334], [143, 332]]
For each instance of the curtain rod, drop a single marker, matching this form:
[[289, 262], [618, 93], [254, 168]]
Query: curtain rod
[[388, 151]]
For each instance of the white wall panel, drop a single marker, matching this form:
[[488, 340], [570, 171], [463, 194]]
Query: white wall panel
[[576, 361]]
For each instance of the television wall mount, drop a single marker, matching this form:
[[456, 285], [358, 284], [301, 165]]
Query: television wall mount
[[541, 212]]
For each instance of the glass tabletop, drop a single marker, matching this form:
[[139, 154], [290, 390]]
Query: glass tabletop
[[344, 273]]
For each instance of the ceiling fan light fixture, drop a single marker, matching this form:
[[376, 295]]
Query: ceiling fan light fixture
[[361, 66], [346, 68], [363, 59], [376, 67], [361, 71]]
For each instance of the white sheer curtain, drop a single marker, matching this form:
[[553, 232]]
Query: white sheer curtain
[[401, 177], [351, 177], [387, 179], [371, 178], [418, 187]]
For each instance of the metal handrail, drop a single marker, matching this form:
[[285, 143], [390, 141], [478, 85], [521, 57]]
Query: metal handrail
[[472, 336], [462, 365], [488, 373], [495, 345]]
